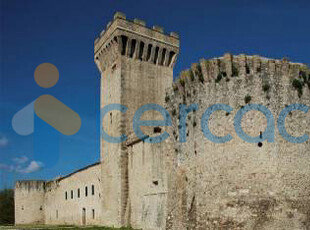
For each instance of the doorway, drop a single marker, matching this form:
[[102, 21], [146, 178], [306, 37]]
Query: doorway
[[84, 216]]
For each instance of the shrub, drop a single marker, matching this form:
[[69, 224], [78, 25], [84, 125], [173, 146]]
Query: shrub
[[303, 75], [191, 74], [199, 73], [298, 85], [182, 82]]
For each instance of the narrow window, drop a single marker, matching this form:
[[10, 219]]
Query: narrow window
[[156, 54], [71, 194], [133, 47], [141, 50], [93, 211], [78, 193], [93, 189], [163, 55], [56, 214], [149, 50], [86, 191], [124, 43], [171, 55], [66, 196]]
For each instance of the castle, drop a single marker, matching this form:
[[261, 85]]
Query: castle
[[197, 184]]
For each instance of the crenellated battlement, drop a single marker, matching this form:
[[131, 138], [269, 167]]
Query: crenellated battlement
[[36, 185], [223, 69], [133, 39]]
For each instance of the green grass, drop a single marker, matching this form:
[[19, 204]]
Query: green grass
[[59, 227]]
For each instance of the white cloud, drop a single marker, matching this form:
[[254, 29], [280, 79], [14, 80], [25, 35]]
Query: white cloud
[[4, 167], [3, 141], [20, 160], [32, 167]]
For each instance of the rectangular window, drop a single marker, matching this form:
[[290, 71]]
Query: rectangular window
[[66, 196], [86, 191], [93, 213], [71, 194], [56, 214], [78, 193], [93, 189]]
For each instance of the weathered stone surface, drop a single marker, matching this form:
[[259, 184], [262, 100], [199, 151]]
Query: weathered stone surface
[[38, 202], [239, 185], [197, 184]]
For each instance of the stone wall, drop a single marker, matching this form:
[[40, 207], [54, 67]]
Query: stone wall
[[148, 188], [29, 202], [136, 65], [197, 184], [60, 201], [239, 185], [68, 209]]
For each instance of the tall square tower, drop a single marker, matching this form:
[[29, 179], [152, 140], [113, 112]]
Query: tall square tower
[[136, 65]]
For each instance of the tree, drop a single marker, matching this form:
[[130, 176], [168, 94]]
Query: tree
[[7, 206]]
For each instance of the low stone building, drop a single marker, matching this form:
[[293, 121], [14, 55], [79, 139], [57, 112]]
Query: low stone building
[[192, 184], [73, 199]]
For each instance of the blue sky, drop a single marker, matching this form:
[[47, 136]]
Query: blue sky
[[63, 33]]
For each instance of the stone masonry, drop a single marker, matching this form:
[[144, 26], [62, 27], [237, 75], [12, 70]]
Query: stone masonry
[[197, 184]]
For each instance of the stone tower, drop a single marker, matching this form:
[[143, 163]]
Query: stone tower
[[136, 65]]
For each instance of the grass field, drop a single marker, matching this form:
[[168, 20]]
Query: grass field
[[64, 227]]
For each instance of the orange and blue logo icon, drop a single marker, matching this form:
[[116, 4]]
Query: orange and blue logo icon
[[46, 107]]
